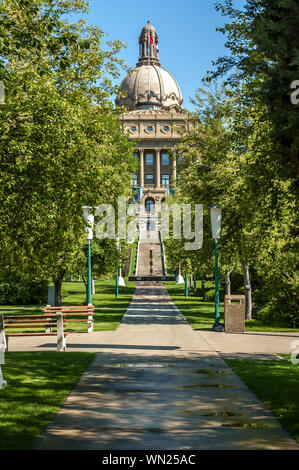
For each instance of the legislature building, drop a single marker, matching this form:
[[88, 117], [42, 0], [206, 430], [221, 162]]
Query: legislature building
[[154, 118]]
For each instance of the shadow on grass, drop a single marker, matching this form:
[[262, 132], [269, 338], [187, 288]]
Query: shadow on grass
[[37, 385], [276, 383]]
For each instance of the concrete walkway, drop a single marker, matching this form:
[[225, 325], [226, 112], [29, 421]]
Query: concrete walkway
[[157, 384]]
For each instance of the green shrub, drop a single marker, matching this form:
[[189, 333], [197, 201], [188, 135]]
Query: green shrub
[[278, 312], [23, 293], [210, 294]]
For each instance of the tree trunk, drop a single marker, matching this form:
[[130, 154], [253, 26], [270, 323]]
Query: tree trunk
[[203, 288], [228, 282], [248, 290], [83, 279], [57, 285]]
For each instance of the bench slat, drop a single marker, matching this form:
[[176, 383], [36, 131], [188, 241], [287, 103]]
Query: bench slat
[[33, 334], [58, 309], [34, 322], [14, 327], [23, 317]]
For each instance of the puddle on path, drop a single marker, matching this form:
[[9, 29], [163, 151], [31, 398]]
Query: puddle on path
[[131, 390], [142, 366], [211, 371], [255, 425], [183, 387], [210, 413]]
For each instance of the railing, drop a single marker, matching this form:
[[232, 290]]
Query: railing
[[137, 257], [163, 254]]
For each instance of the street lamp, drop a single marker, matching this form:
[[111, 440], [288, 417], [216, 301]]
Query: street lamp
[[3, 382], [179, 278], [120, 279], [89, 230], [216, 230], [186, 285]]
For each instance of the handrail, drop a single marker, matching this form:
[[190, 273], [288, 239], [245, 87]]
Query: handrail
[[163, 254], [137, 258]]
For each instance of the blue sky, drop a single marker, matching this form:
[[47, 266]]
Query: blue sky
[[188, 40]]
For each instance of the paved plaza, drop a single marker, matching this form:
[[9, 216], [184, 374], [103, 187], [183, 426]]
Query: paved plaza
[[158, 384]]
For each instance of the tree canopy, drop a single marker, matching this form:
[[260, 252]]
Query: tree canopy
[[242, 154], [62, 145]]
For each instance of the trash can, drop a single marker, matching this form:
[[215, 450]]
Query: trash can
[[234, 313], [51, 296]]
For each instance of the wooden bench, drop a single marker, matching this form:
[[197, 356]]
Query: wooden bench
[[32, 322], [71, 314]]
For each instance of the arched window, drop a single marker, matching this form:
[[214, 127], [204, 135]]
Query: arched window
[[150, 205]]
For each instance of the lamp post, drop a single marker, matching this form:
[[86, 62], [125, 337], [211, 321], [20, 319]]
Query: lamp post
[[121, 281], [116, 284], [179, 278], [89, 229], [186, 285], [3, 382], [216, 230]]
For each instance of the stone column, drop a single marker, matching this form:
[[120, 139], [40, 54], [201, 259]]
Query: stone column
[[174, 170], [158, 166], [141, 169], [61, 340]]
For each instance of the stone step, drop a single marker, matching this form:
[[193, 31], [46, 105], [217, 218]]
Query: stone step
[[150, 266], [151, 278]]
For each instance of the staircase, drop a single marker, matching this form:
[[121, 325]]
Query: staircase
[[150, 258]]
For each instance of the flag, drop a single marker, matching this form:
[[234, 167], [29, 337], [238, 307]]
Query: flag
[[153, 42]]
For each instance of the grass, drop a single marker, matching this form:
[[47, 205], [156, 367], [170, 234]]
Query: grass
[[276, 384], [37, 385], [133, 259], [108, 310], [201, 314]]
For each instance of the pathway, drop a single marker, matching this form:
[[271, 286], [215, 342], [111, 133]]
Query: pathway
[[150, 251], [157, 384]]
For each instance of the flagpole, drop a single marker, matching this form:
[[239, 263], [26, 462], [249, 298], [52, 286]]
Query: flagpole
[[148, 66]]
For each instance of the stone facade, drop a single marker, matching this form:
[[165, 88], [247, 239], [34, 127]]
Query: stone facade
[[154, 118]]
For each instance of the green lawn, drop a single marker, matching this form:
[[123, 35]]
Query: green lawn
[[201, 315], [37, 385], [108, 310], [276, 384], [133, 259]]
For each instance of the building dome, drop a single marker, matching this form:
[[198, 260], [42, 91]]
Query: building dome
[[149, 86], [162, 92]]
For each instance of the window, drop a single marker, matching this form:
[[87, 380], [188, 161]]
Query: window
[[165, 179], [149, 106], [165, 159], [150, 128], [133, 128], [180, 158], [149, 179], [149, 158], [134, 180], [149, 207]]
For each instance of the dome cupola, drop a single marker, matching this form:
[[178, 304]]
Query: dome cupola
[[149, 86], [148, 46]]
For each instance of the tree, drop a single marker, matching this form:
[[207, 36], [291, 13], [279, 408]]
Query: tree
[[62, 146], [227, 160], [264, 45]]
